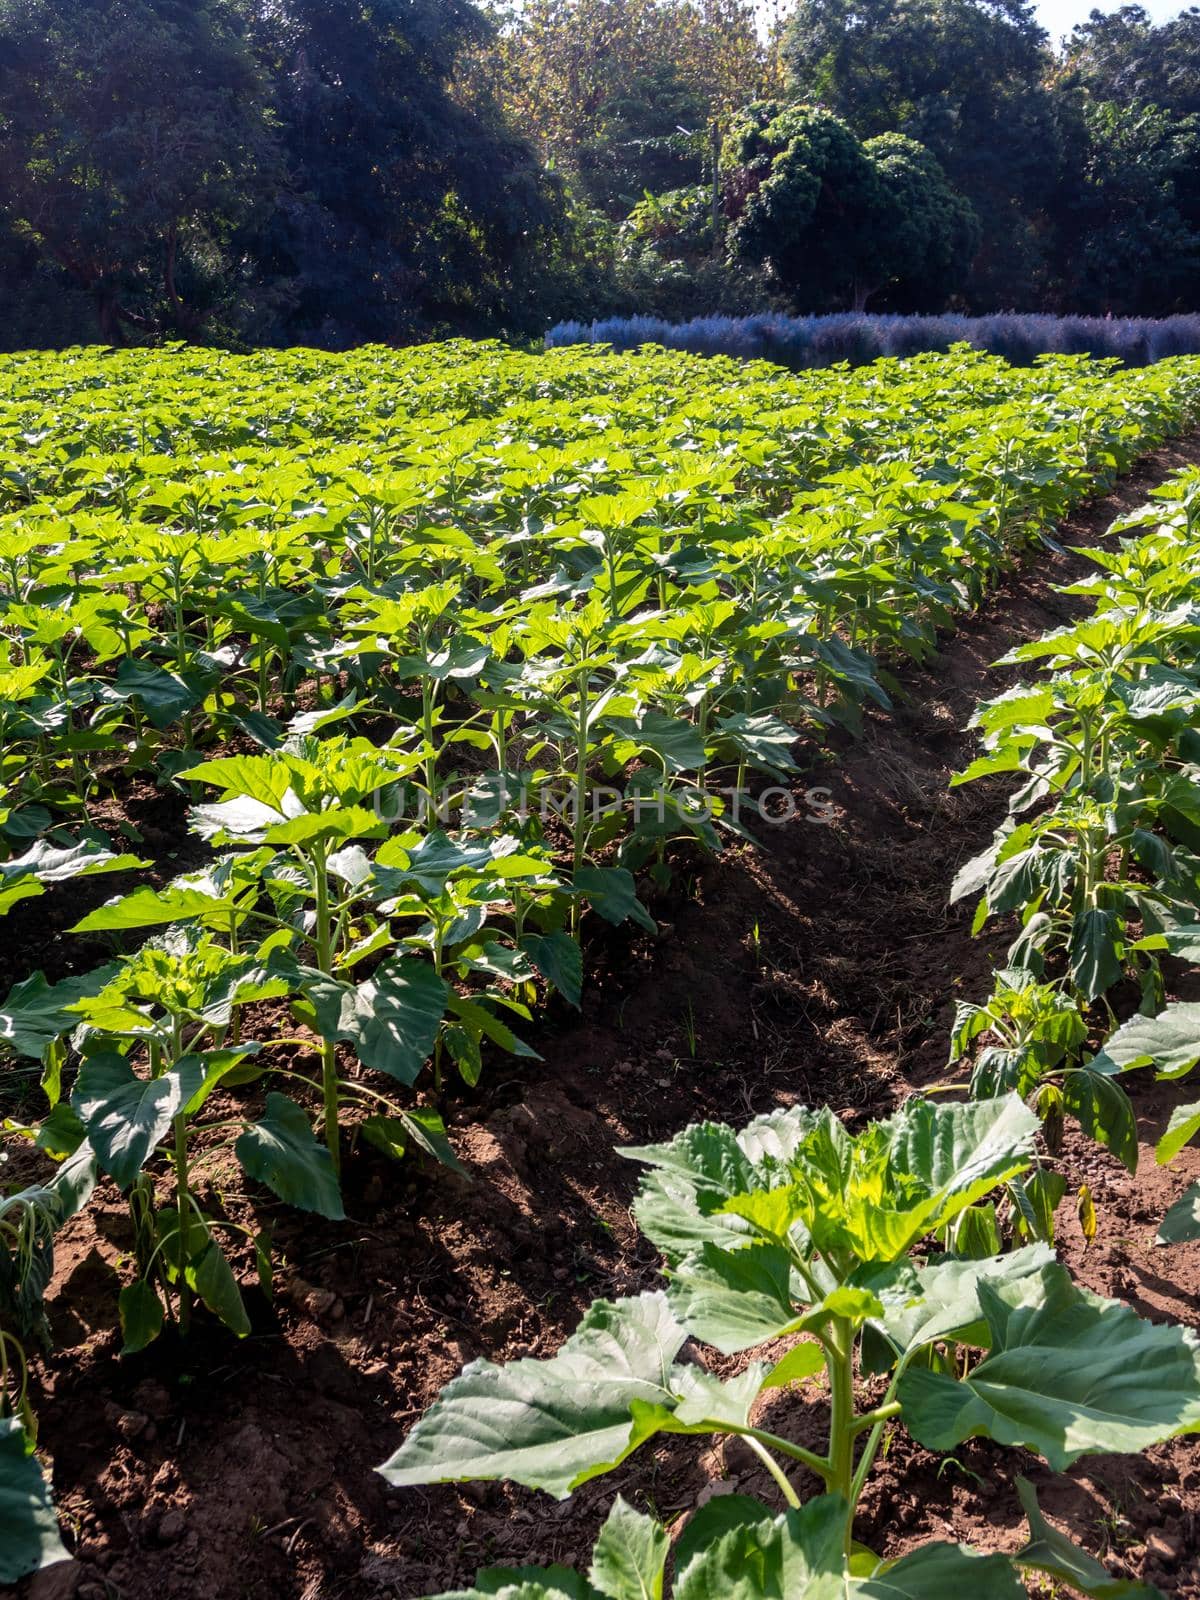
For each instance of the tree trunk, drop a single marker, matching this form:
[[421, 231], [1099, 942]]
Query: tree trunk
[[108, 315]]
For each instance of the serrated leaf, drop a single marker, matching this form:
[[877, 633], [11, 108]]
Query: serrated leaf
[[1182, 1222], [943, 1572], [804, 1360], [141, 1314], [126, 1116], [1095, 952], [1102, 1109], [612, 894], [151, 908], [941, 1300], [35, 1012], [1169, 1042], [281, 1151], [798, 1555], [211, 1276], [391, 1020], [734, 1299], [549, 1424], [1051, 1552], [559, 960], [1069, 1374], [630, 1555]]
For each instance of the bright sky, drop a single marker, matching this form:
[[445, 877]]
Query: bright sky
[[1058, 17]]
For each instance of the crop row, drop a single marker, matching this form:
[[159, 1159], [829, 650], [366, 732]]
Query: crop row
[[917, 1253], [1098, 858], [388, 627]]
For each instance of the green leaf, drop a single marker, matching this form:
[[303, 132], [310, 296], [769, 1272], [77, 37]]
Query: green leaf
[[127, 1117], [29, 1537], [61, 1133], [941, 1300], [281, 1151], [391, 1020], [1102, 1109], [141, 1316], [1095, 961], [1170, 1042], [804, 1360], [676, 742], [734, 1299], [164, 696], [211, 1276], [1182, 1221], [49, 863], [763, 740], [704, 1169], [151, 908], [559, 960], [630, 1555], [1052, 1553], [798, 1555], [612, 894], [1181, 1130], [943, 1572], [428, 1131], [1069, 1374], [549, 1424], [36, 1013]]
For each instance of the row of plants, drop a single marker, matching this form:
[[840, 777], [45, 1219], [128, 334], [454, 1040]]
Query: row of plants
[[361, 637], [905, 1276], [1098, 857], [860, 336]]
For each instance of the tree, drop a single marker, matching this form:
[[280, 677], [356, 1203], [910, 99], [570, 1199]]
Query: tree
[[1130, 229], [407, 207], [965, 79], [837, 220], [1124, 56], [135, 142], [604, 86]]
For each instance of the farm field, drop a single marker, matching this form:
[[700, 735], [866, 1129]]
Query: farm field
[[426, 773]]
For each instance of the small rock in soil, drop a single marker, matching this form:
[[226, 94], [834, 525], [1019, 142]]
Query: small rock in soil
[[1164, 1547], [129, 1424]]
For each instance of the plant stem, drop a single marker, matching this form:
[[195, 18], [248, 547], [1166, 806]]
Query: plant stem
[[182, 1201], [815, 1463], [776, 1471], [839, 1343], [322, 935]]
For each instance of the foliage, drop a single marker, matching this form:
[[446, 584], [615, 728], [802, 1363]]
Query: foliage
[[446, 658], [838, 220], [1098, 856], [819, 341], [795, 1231], [965, 80], [138, 190]]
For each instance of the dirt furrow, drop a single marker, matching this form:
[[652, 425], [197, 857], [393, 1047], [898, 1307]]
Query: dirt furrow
[[822, 967]]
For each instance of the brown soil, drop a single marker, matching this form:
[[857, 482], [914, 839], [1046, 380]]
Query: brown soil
[[821, 968]]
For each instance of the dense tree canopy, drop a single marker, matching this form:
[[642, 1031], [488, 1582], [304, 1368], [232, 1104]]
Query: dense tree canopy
[[134, 142], [1123, 57], [331, 171], [965, 79], [837, 219]]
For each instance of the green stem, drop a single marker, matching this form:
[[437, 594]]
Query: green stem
[[323, 939], [839, 1342], [182, 1202], [776, 1471], [785, 1447]]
